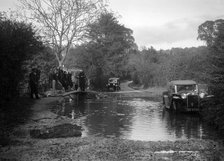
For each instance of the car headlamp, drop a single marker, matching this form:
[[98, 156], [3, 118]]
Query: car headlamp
[[202, 95], [183, 95]]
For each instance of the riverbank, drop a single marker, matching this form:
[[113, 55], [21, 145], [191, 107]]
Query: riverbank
[[110, 149], [24, 147]]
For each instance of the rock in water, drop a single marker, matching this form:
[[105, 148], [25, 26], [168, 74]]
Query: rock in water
[[59, 131]]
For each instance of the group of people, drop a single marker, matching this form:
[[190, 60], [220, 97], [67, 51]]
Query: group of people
[[67, 80], [61, 76]]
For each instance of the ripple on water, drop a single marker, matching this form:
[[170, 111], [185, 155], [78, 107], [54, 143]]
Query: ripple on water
[[135, 119]]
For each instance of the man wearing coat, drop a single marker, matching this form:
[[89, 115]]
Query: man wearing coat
[[33, 82]]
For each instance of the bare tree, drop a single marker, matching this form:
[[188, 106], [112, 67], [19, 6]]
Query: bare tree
[[63, 22]]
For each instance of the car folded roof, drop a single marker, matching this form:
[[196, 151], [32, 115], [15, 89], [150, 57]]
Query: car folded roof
[[183, 82]]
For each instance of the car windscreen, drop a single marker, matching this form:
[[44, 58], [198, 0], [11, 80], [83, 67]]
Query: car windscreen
[[112, 80], [191, 87]]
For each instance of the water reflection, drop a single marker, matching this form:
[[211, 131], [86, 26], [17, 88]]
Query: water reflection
[[183, 126], [135, 119], [107, 118]]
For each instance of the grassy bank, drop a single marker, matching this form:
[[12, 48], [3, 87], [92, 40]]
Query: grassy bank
[[213, 114], [98, 148]]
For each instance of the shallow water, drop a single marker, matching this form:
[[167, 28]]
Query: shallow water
[[134, 119]]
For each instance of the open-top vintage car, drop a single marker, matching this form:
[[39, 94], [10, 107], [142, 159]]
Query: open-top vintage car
[[113, 84], [183, 95]]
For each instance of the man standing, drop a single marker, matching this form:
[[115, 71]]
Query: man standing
[[82, 81], [33, 82]]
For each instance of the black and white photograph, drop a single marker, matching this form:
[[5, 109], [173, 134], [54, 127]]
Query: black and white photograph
[[111, 80]]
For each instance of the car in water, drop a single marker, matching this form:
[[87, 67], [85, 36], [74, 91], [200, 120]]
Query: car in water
[[183, 96], [113, 84]]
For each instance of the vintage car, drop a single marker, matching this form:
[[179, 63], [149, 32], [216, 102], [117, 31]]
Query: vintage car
[[113, 84], [183, 96]]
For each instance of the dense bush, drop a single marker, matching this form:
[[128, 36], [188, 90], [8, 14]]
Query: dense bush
[[18, 42], [212, 32]]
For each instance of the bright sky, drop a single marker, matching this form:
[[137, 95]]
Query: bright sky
[[167, 23], [162, 24]]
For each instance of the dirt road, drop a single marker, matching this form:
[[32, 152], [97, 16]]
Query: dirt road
[[154, 93], [125, 86], [25, 148]]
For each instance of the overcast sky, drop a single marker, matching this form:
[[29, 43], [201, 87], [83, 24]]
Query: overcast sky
[[162, 24]]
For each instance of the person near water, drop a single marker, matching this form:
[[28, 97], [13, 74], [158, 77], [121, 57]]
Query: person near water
[[33, 82], [82, 81]]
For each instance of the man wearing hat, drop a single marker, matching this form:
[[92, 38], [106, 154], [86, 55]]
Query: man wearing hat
[[33, 82]]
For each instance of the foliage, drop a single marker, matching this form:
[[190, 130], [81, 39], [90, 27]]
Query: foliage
[[18, 42], [46, 62], [148, 67], [106, 53], [111, 52], [63, 23], [112, 41], [156, 68], [144, 63], [189, 63], [209, 31], [212, 32]]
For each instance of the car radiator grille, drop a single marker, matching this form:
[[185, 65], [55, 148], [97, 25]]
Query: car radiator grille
[[192, 101]]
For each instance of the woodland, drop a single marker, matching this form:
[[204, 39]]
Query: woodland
[[106, 48]]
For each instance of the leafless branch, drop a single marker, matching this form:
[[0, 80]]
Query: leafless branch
[[63, 22]]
